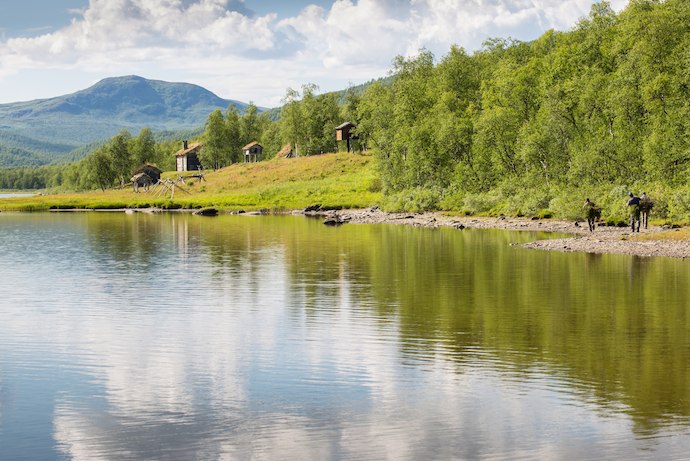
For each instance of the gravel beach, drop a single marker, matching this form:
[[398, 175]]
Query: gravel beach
[[603, 240]]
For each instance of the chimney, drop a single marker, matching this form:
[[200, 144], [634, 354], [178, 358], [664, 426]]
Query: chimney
[[184, 144]]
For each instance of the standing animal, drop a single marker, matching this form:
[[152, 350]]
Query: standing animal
[[646, 205], [141, 180], [593, 213]]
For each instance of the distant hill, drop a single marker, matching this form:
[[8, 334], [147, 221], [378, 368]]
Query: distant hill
[[48, 130]]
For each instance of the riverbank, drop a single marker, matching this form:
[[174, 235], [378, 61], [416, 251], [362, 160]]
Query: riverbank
[[654, 241]]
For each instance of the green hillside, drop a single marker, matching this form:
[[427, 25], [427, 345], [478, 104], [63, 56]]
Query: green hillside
[[343, 180], [47, 131]]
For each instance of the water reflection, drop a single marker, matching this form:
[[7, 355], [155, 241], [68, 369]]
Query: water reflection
[[179, 337]]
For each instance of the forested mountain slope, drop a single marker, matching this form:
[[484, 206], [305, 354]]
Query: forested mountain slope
[[43, 131]]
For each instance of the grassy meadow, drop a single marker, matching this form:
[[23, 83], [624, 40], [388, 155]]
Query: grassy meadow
[[331, 180]]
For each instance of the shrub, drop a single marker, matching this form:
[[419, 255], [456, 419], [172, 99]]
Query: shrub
[[375, 185], [413, 200], [482, 202]]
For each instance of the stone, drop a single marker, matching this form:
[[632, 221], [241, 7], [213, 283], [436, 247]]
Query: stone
[[206, 212]]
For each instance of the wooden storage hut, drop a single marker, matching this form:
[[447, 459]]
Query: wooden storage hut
[[188, 157], [344, 133], [152, 171], [252, 152]]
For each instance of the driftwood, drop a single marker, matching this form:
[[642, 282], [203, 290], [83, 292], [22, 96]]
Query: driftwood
[[199, 176], [165, 186]]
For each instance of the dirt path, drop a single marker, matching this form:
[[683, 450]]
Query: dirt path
[[602, 240]]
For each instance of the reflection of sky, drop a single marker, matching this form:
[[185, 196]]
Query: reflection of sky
[[232, 365]]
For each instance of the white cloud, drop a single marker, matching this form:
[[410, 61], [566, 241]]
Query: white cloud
[[352, 40], [373, 32], [141, 28]]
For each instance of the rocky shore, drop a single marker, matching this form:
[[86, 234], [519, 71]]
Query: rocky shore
[[603, 240], [615, 240]]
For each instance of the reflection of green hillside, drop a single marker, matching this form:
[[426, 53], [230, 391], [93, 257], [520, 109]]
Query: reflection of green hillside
[[135, 240], [614, 324], [612, 329]]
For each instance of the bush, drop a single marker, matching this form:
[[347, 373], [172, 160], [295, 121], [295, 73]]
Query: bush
[[375, 185], [676, 206], [482, 202], [528, 202], [413, 200]]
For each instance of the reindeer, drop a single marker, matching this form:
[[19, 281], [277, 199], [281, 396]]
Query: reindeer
[[646, 205], [593, 213]]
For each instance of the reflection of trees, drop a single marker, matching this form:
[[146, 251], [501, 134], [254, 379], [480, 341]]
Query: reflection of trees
[[134, 241], [613, 326], [617, 324]]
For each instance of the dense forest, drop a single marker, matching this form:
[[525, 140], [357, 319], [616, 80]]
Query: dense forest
[[515, 127], [523, 127]]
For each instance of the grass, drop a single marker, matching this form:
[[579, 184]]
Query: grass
[[333, 180], [672, 234]]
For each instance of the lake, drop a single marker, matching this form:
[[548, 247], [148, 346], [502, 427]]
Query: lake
[[171, 336], [14, 194]]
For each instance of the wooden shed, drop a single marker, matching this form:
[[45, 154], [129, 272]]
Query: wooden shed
[[188, 157], [286, 152], [344, 133], [252, 152], [152, 171]]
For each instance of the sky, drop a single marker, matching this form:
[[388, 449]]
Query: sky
[[248, 50]]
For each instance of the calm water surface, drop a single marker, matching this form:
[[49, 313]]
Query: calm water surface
[[179, 337], [12, 195]]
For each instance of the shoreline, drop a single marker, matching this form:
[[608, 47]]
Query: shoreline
[[604, 240]]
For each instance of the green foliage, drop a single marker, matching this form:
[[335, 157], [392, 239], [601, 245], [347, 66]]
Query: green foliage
[[215, 152], [144, 147], [100, 169], [291, 121], [412, 200], [308, 124], [270, 139], [568, 115], [251, 126], [120, 155]]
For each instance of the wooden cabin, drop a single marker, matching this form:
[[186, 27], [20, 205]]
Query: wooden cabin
[[344, 133], [152, 171], [252, 152], [188, 157]]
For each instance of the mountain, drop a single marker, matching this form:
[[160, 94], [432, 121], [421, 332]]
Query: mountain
[[47, 130]]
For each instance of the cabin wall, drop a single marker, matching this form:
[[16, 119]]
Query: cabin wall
[[193, 163]]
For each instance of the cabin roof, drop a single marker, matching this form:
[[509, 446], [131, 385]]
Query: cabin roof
[[250, 145], [191, 148], [147, 167], [344, 125]]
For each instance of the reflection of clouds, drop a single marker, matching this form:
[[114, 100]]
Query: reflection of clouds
[[236, 366]]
